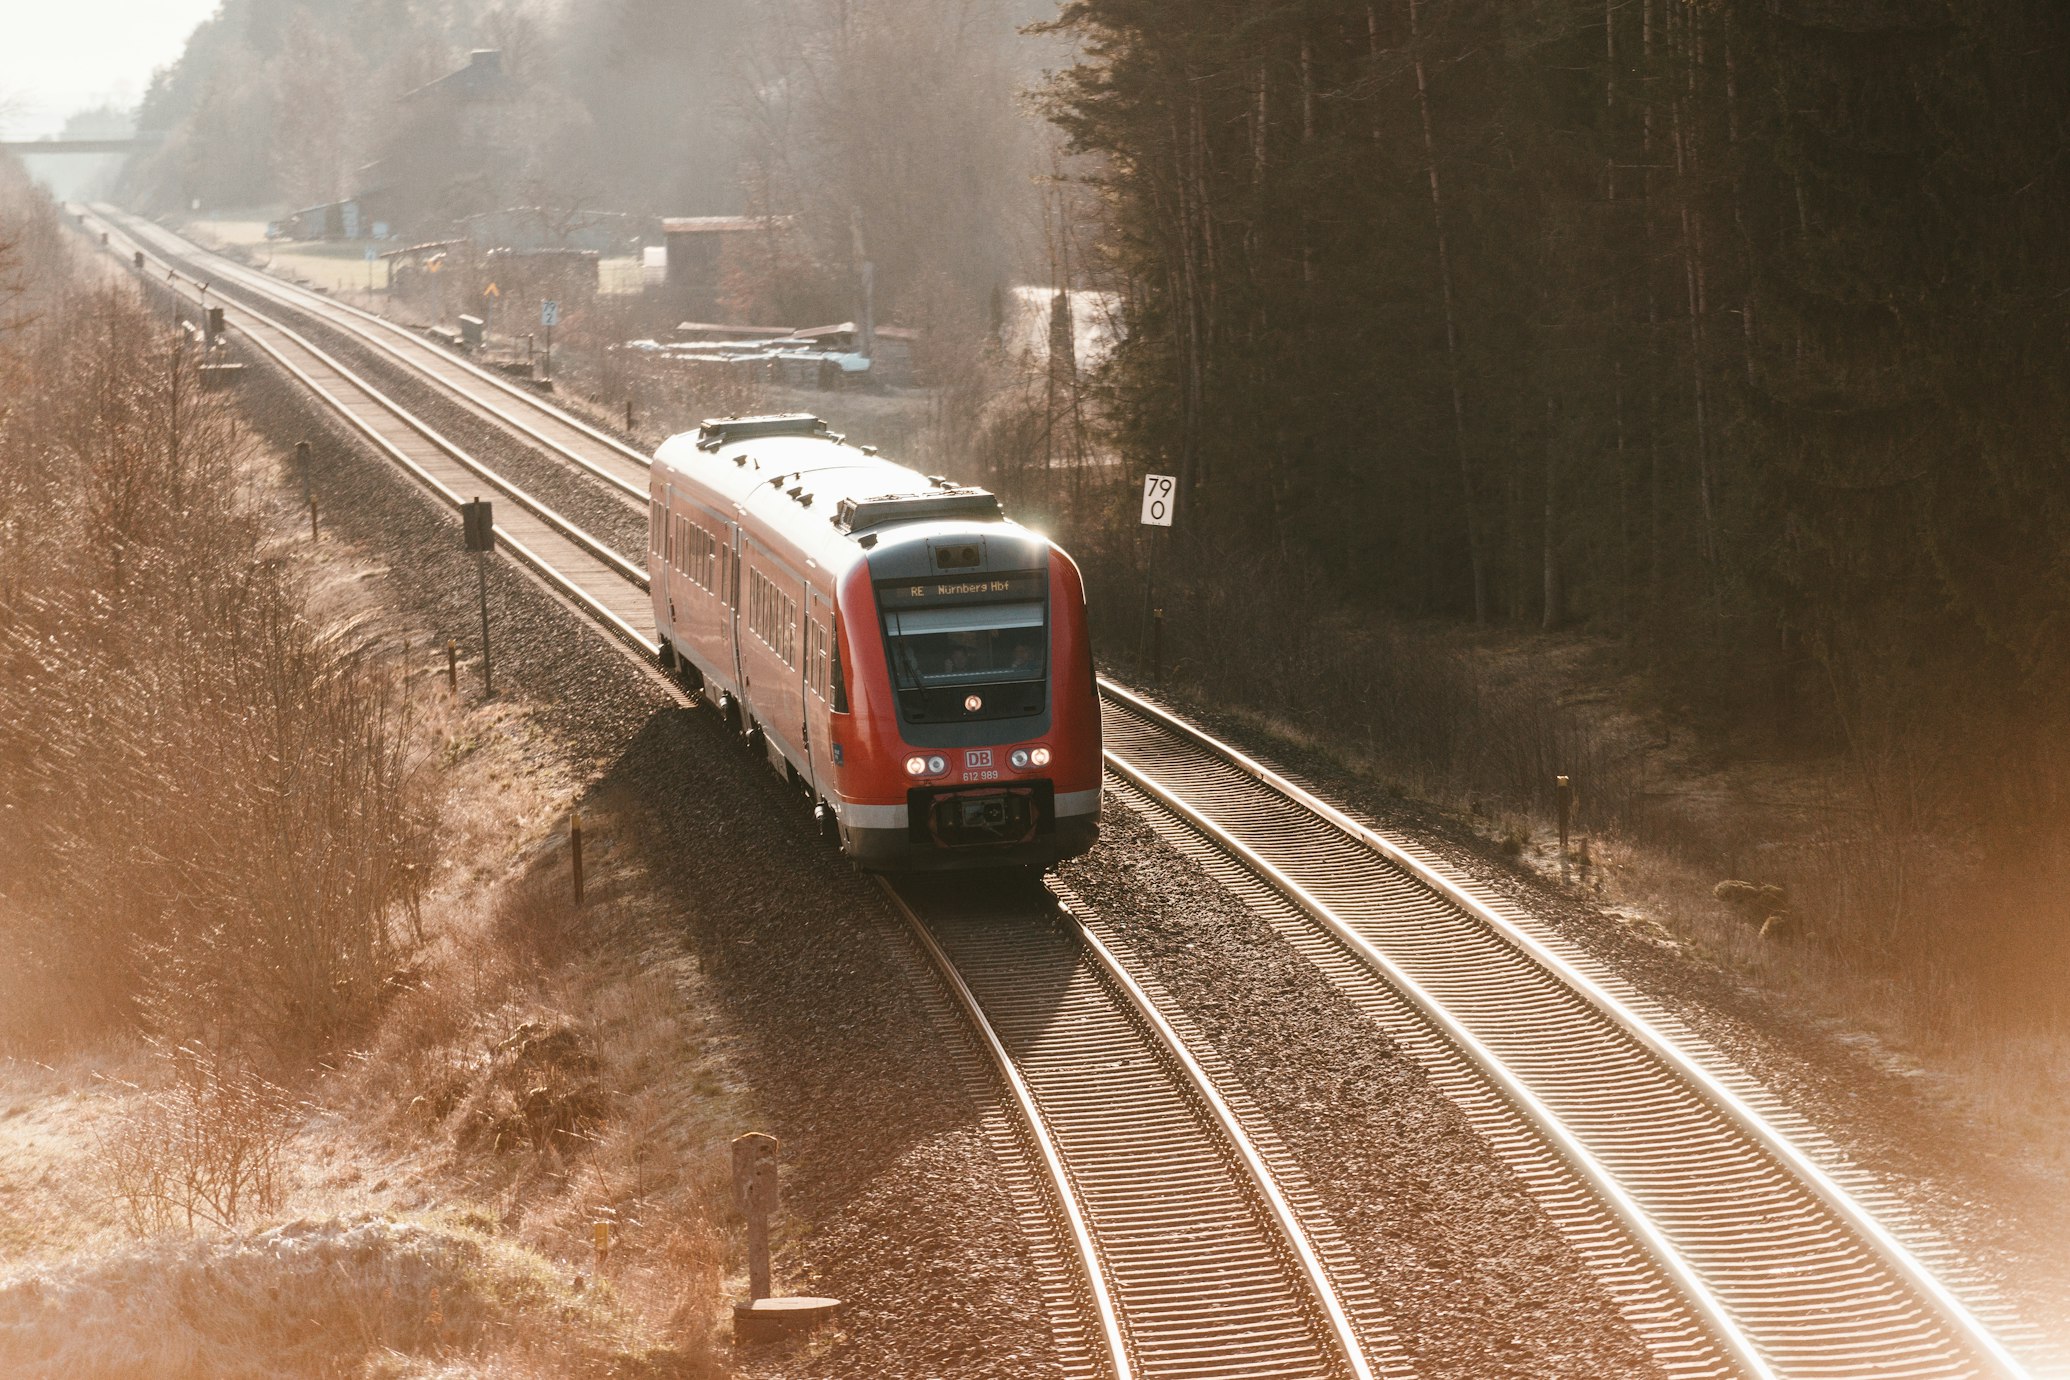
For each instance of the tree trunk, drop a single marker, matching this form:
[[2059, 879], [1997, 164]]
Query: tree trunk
[[1551, 551], [1475, 557]]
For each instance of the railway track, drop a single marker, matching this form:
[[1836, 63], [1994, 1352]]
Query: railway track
[[1191, 1258], [1730, 1249], [488, 395], [582, 566], [1209, 1256], [1745, 1237]]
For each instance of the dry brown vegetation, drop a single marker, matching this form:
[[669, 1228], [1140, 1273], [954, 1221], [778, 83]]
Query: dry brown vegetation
[[215, 816], [308, 1065]]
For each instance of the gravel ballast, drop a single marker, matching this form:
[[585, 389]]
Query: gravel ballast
[[1477, 1280]]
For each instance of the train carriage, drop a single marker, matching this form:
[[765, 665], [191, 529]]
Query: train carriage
[[915, 662]]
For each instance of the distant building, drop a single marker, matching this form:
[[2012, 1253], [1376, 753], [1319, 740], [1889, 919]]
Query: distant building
[[701, 250], [458, 142], [481, 81]]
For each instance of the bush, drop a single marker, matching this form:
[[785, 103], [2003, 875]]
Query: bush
[[214, 823], [206, 1150]]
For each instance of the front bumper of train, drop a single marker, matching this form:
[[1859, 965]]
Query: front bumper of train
[[1002, 824]]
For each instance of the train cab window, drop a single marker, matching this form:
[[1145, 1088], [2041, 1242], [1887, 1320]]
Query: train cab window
[[937, 647], [655, 530]]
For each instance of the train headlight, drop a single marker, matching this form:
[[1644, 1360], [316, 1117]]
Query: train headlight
[[1039, 757], [916, 766], [973, 703], [937, 765], [1019, 759]]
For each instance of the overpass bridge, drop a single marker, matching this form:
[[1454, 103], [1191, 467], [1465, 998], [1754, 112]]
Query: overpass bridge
[[44, 147]]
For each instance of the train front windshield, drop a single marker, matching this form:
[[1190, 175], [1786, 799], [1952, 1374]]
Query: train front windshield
[[934, 648]]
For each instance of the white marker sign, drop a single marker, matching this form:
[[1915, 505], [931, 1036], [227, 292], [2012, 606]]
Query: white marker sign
[[549, 313], [1159, 493]]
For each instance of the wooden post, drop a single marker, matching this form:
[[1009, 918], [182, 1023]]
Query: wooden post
[[1157, 644], [302, 459], [1564, 789], [314, 535], [575, 851], [628, 416], [452, 666], [754, 1188], [481, 581]]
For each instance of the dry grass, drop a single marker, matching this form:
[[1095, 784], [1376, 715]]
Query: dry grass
[[368, 1296], [546, 1070], [405, 1079]]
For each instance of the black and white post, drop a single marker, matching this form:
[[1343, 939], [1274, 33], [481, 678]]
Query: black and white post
[[1160, 498], [478, 520]]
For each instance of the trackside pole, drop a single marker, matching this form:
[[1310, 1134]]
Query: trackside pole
[[481, 577], [1160, 498], [764, 1318], [575, 852], [478, 522]]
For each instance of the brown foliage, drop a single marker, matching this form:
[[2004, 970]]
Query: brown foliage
[[208, 1149], [214, 820]]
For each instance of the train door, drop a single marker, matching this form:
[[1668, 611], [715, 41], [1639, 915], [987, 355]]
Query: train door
[[819, 683], [729, 586], [665, 548]]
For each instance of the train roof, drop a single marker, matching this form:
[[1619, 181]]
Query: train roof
[[831, 501]]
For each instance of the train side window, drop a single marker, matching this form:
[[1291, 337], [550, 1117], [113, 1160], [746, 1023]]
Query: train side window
[[654, 528], [839, 698]]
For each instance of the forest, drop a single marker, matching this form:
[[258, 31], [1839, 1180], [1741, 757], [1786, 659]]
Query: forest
[[1733, 331]]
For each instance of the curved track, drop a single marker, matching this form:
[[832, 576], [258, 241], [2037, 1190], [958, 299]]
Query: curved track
[[1191, 1258], [1730, 1249], [1206, 1245], [1786, 1272]]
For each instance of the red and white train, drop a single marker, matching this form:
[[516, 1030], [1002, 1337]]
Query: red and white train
[[918, 664]]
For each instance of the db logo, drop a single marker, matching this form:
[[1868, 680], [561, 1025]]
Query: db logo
[[980, 758]]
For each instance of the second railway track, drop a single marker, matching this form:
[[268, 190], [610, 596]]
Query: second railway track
[[1730, 1249], [1788, 1274]]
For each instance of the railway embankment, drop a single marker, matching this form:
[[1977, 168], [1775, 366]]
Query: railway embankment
[[289, 1036], [498, 1142]]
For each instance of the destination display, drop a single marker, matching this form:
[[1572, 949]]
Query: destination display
[[993, 585]]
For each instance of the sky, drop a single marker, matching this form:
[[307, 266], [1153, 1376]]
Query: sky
[[58, 56]]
